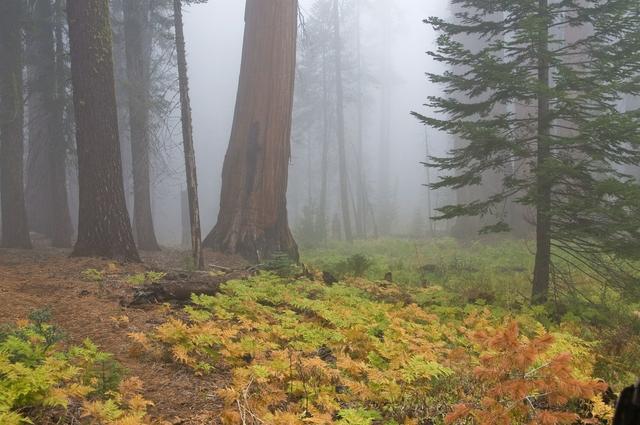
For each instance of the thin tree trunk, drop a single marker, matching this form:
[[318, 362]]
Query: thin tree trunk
[[187, 138], [253, 219], [361, 209], [186, 218], [122, 100], [63, 229], [138, 49], [325, 149], [15, 232], [342, 154], [384, 151], [542, 265], [104, 228], [430, 222]]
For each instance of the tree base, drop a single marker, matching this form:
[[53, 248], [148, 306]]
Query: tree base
[[125, 255], [251, 246]]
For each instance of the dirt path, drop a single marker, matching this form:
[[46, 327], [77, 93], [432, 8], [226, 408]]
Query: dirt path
[[31, 280]]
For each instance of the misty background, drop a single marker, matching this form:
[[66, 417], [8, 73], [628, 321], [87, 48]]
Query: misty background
[[214, 33]]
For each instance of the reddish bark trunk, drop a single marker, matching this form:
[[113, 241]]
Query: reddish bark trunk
[[253, 209]]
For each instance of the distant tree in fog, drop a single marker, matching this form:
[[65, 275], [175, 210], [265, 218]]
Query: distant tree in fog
[[46, 179], [566, 65], [330, 45], [15, 232], [340, 130], [138, 48]]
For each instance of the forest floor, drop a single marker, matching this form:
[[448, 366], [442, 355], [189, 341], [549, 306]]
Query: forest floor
[[49, 279], [198, 363]]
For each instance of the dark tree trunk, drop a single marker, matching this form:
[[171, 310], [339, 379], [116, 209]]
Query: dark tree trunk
[[542, 266], [187, 138], [253, 208], [46, 192], [342, 154], [138, 49], [104, 228], [122, 101], [431, 227], [63, 229], [15, 232]]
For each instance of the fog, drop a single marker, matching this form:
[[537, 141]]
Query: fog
[[214, 32], [319, 211]]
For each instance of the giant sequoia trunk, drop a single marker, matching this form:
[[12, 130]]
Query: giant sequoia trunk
[[187, 136], [253, 209], [138, 50], [15, 233], [103, 227], [46, 191]]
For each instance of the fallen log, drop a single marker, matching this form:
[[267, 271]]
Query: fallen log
[[179, 287]]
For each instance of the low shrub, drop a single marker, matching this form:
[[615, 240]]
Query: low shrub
[[40, 382]]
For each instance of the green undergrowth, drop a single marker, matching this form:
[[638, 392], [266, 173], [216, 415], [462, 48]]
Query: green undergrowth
[[366, 351], [41, 382], [499, 268], [497, 273]]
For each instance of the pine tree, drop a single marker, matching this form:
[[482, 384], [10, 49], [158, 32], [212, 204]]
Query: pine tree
[[563, 155]]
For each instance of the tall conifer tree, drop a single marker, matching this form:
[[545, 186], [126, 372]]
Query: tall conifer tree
[[572, 141], [104, 229]]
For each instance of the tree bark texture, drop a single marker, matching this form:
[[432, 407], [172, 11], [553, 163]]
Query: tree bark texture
[[104, 228], [138, 49], [15, 231], [187, 138], [253, 219], [46, 190]]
